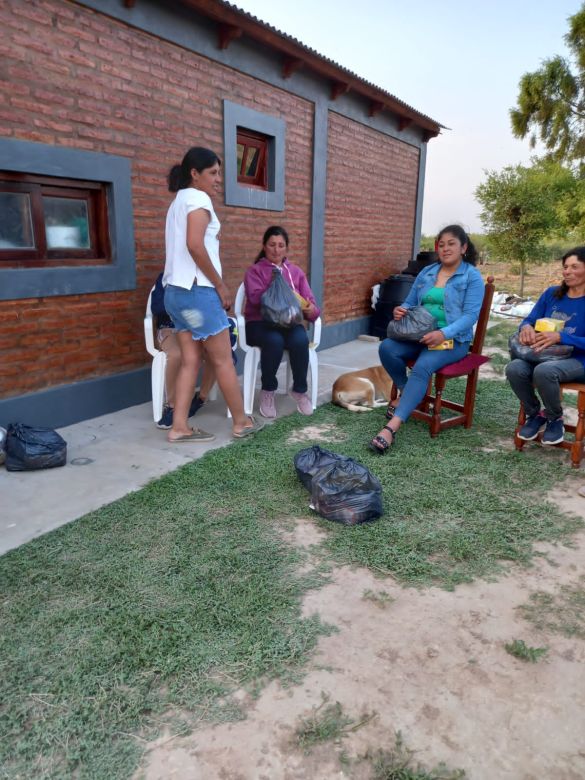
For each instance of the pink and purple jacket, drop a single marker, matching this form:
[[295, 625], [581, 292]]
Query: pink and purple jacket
[[257, 281]]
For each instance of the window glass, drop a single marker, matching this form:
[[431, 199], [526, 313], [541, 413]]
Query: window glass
[[66, 223], [251, 161], [15, 221], [240, 155]]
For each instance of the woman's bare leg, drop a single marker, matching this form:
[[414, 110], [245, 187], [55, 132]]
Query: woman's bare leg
[[191, 354], [219, 353]]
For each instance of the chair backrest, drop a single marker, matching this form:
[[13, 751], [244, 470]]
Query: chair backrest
[[149, 328], [484, 316], [239, 314], [239, 302]]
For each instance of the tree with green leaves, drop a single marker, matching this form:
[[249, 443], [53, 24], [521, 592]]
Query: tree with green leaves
[[551, 100], [523, 207]]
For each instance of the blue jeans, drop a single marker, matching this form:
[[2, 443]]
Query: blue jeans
[[393, 356], [546, 377], [272, 342]]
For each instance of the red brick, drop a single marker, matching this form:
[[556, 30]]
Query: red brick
[[91, 82]]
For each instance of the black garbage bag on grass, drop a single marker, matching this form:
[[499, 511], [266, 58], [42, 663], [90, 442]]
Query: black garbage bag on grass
[[29, 449], [312, 460], [347, 493], [342, 489]]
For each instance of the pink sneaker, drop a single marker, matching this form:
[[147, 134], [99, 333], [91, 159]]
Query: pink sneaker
[[267, 407], [304, 404]]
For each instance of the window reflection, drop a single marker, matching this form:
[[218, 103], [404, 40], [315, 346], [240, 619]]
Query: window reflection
[[15, 221], [66, 223]]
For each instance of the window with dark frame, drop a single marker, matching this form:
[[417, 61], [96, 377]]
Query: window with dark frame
[[48, 221], [252, 158]]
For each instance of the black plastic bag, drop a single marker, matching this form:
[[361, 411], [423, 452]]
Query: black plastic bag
[[279, 305], [347, 493], [28, 448], [524, 352], [415, 324], [2, 445], [311, 460]]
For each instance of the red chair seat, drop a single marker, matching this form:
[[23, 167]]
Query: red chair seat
[[464, 366]]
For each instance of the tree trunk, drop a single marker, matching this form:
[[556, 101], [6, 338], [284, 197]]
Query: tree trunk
[[522, 273]]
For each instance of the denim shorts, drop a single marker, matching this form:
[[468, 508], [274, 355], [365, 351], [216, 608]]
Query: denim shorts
[[197, 310]]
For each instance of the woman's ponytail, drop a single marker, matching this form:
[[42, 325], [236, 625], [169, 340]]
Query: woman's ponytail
[[198, 158]]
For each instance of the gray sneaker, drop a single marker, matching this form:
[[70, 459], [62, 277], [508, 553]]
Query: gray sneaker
[[267, 407], [304, 404]]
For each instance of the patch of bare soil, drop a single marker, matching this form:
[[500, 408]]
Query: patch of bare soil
[[326, 432], [432, 665]]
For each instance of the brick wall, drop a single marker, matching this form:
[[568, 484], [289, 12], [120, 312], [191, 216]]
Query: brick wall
[[370, 213], [74, 78]]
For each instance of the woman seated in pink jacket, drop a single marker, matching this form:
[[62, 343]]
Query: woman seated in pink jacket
[[271, 339]]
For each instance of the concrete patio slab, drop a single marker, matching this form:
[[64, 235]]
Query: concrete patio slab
[[118, 453]]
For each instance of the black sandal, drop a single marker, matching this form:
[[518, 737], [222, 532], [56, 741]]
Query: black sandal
[[379, 444], [390, 411]]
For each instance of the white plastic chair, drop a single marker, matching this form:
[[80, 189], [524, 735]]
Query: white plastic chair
[[252, 357], [159, 363]]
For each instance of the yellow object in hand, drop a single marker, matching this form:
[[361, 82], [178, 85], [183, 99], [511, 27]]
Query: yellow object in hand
[[303, 301], [447, 344], [548, 325]]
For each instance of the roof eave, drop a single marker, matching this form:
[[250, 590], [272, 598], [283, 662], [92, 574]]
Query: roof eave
[[234, 23]]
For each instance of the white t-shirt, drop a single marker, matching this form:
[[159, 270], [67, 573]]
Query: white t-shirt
[[180, 268]]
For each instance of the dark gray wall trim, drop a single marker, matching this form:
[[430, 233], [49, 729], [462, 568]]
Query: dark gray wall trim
[[174, 23], [342, 332], [236, 194], [68, 404], [44, 159], [422, 163], [320, 144]]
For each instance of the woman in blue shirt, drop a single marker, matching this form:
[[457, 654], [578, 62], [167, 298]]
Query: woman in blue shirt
[[566, 302], [452, 290]]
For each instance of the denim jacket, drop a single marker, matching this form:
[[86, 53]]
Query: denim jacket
[[463, 298]]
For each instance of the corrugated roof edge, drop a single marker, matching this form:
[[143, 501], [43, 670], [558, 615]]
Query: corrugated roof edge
[[312, 52]]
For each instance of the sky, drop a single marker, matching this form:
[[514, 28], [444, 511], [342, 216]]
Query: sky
[[458, 61]]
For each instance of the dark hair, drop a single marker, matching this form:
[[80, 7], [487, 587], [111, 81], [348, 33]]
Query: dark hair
[[470, 255], [579, 252], [273, 230], [179, 177]]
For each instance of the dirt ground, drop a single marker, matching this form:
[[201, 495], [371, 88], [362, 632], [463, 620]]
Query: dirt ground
[[537, 279], [430, 664]]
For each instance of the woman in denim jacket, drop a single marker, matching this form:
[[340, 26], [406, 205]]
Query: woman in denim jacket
[[452, 290]]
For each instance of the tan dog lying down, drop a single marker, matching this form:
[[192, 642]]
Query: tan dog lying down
[[363, 390]]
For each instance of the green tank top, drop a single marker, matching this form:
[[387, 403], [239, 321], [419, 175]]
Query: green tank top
[[434, 302]]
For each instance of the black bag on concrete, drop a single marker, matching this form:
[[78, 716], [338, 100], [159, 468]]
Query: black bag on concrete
[[29, 449], [2, 445], [279, 305], [311, 460], [347, 493], [415, 324]]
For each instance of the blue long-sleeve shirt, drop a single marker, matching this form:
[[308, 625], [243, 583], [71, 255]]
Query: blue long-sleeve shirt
[[571, 310], [462, 302]]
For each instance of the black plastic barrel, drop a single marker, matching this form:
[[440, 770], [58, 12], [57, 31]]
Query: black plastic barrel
[[393, 292]]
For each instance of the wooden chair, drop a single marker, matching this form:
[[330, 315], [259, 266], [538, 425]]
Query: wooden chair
[[575, 446], [429, 410]]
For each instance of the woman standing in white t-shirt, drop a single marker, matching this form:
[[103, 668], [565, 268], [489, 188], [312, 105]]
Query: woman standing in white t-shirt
[[195, 295]]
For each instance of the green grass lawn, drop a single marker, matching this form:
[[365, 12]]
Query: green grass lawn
[[151, 611]]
